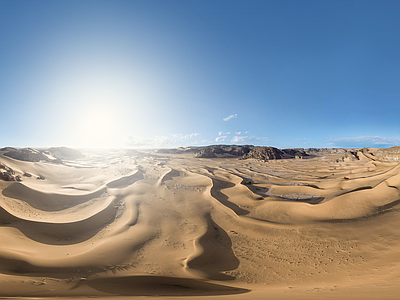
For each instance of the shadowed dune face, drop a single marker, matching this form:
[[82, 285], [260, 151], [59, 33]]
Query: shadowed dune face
[[146, 225], [161, 286]]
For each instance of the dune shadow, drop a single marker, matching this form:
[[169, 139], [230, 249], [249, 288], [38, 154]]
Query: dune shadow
[[161, 286], [217, 255], [217, 186], [126, 180], [48, 201], [170, 175], [60, 233]]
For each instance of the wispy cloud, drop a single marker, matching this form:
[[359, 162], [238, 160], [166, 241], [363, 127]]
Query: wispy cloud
[[365, 141], [156, 142], [185, 136], [220, 138], [223, 133], [205, 142], [171, 141], [249, 140], [230, 117]]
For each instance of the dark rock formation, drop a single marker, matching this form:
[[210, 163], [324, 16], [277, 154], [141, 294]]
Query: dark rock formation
[[206, 153], [8, 149], [324, 151], [236, 150], [8, 174], [350, 155], [27, 154], [54, 154], [296, 153], [264, 153]]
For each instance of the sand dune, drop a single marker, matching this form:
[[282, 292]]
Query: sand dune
[[173, 225]]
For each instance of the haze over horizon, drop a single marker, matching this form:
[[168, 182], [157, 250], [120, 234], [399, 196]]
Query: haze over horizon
[[158, 74]]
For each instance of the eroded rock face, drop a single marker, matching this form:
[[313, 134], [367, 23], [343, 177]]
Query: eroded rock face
[[350, 155], [295, 152], [206, 153], [55, 154], [264, 153], [386, 155], [236, 150], [325, 151], [8, 174], [26, 154]]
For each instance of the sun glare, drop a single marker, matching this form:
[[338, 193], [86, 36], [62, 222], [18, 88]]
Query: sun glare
[[99, 128]]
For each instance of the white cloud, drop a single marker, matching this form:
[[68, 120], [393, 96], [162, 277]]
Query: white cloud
[[172, 141], [238, 133], [221, 138], [156, 142], [224, 133], [185, 136], [205, 142], [365, 141], [249, 140], [230, 117]]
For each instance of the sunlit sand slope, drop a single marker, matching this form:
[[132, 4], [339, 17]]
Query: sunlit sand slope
[[174, 225]]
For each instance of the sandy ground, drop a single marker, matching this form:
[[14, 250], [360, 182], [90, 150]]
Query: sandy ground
[[174, 226]]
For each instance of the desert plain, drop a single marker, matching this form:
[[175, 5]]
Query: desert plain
[[121, 224]]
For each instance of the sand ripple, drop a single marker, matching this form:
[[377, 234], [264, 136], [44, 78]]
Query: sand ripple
[[133, 226]]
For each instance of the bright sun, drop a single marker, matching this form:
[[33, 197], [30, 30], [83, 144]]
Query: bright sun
[[99, 128]]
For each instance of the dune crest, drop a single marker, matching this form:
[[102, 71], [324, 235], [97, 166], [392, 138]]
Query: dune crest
[[169, 224]]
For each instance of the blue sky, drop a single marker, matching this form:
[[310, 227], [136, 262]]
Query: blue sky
[[178, 73]]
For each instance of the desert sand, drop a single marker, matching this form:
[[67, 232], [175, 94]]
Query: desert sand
[[174, 226]]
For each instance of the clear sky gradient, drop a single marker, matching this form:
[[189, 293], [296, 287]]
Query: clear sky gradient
[[177, 73]]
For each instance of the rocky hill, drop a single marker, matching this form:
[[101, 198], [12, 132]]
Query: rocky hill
[[295, 152], [55, 154], [325, 151], [207, 151], [385, 155], [27, 154], [350, 155], [264, 153]]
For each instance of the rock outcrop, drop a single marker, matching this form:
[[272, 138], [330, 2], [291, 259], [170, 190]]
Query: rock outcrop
[[325, 151], [350, 155], [8, 174], [55, 154], [235, 150], [264, 153], [206, 153], [295, 152], [385, 155], [27, 154]]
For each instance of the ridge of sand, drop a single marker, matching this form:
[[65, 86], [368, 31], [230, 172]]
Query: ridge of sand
[[151, 225]]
